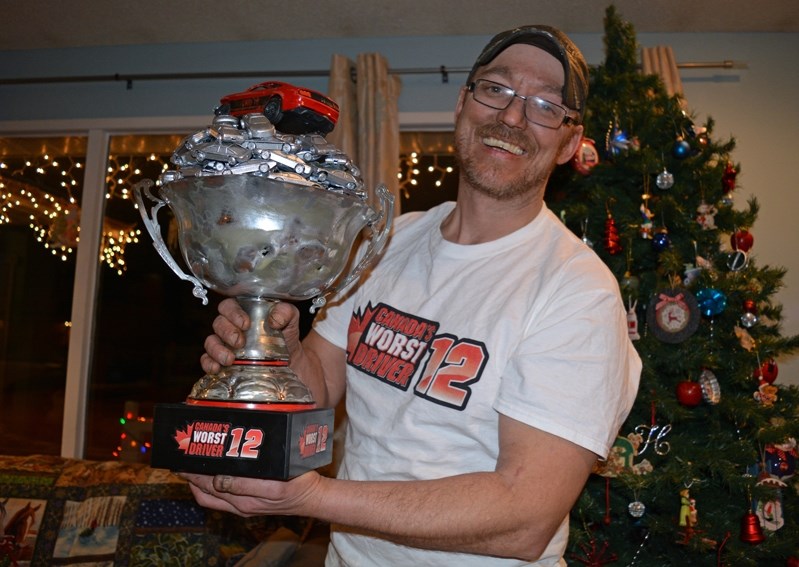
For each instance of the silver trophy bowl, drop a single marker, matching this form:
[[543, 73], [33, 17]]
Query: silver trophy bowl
[[263, 239]]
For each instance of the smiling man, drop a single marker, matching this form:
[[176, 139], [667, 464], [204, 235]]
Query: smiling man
[[471, 447]]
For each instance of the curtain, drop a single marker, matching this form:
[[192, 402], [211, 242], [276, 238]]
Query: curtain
[[660, 61], [368, 125]]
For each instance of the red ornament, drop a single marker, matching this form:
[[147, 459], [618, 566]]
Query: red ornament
[[586, 157], [749, 306], [742, 240], [792, 561], [689, 393], [751, 531], [612, 239], [767, 372], [728, 178]]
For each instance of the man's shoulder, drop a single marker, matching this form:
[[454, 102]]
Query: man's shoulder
[[407, 221]]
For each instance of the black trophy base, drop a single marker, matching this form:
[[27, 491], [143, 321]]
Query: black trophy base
[[241, 442]]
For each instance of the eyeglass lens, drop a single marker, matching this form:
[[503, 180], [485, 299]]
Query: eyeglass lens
[[536, 109]]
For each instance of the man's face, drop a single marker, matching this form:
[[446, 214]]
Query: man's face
[[501, 153]]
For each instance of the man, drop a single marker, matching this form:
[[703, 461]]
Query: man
[[485, 358]]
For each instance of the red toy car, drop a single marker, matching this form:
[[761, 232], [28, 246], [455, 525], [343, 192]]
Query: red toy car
[[293, 110]]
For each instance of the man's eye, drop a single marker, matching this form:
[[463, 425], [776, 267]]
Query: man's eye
[[545, 107]]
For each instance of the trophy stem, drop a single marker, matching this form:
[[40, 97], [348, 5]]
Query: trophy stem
[[263, 344], [260, 377]]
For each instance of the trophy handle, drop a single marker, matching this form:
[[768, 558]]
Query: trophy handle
[[376, 244], [151, 223]]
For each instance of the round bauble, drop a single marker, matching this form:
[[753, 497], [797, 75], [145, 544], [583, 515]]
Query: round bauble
[[711, 301], [689, 393], [742, 240], [681, 149]]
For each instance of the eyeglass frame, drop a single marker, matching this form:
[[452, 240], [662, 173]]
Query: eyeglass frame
[[569, 116]]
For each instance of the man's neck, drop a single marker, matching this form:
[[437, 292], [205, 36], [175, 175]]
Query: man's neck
[[477, 218]]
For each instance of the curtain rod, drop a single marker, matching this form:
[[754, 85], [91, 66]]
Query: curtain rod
[[130, 78]]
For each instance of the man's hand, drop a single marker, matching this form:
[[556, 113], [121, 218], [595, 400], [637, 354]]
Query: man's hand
[[229, 327], [254, 497]]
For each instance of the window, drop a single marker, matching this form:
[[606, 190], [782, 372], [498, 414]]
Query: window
[[148, 328], [41, 181]]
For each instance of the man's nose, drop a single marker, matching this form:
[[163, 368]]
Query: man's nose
[[514, 114]]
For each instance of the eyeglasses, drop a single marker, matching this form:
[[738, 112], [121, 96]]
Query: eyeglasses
[[536, 109]]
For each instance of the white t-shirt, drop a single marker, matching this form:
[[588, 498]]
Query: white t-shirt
[[441, 338]]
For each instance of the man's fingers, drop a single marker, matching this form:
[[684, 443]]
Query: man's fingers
[[216, 351], [231, 310]]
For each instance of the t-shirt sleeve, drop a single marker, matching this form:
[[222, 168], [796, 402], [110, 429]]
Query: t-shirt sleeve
[[575, 372]]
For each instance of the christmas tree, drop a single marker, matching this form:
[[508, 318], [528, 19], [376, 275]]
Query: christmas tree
[[702, 472]]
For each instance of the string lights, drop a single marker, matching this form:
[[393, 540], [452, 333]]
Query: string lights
[[41, 192], [423, 170], [135, 439]]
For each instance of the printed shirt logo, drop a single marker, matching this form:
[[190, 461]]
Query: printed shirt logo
[[390, 345]]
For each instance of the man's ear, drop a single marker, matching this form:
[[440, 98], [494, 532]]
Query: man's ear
[[462, 94], [571, 144]]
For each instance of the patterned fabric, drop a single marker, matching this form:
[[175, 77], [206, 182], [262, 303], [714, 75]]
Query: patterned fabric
[[56, 511]]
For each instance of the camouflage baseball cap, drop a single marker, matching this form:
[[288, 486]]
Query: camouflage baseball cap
[[557, 44]]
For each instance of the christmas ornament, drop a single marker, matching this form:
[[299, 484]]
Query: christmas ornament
[[751, 531], [586, 157], [645, 230], [700, 135], [632, 322], [792, 561], [681, 148], [691, 273], [749, 317], [742, 240], [619, 459], [769, 511], [706, 216], [767, 371], [766, 394], [636, 509], [780, 460], [746, 340], [618, 141], [653, 435], [664, 180], [711, 301], [737, 260], [584, 226], [728, 178], [612, 239], [689, 393], [673, 315], [688, 514], [711, 390], [629, 284], [661, 240]]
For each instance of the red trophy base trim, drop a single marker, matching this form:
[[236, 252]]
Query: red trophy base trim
[[268, 406]]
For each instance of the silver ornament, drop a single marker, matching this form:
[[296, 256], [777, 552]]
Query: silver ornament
[[749, 320], [711, 391], [636, 509], [665, 180]]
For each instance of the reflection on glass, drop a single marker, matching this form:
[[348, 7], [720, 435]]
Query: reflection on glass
[[149, 328], [41, 181]]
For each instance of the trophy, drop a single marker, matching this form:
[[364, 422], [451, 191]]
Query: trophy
[[264, 217]]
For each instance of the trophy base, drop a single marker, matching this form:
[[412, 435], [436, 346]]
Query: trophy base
[[241, 440]]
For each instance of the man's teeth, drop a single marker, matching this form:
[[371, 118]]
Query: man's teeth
[[495, 143]]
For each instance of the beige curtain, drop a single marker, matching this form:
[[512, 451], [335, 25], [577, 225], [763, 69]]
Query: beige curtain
[[368, 125], [660, 61]]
